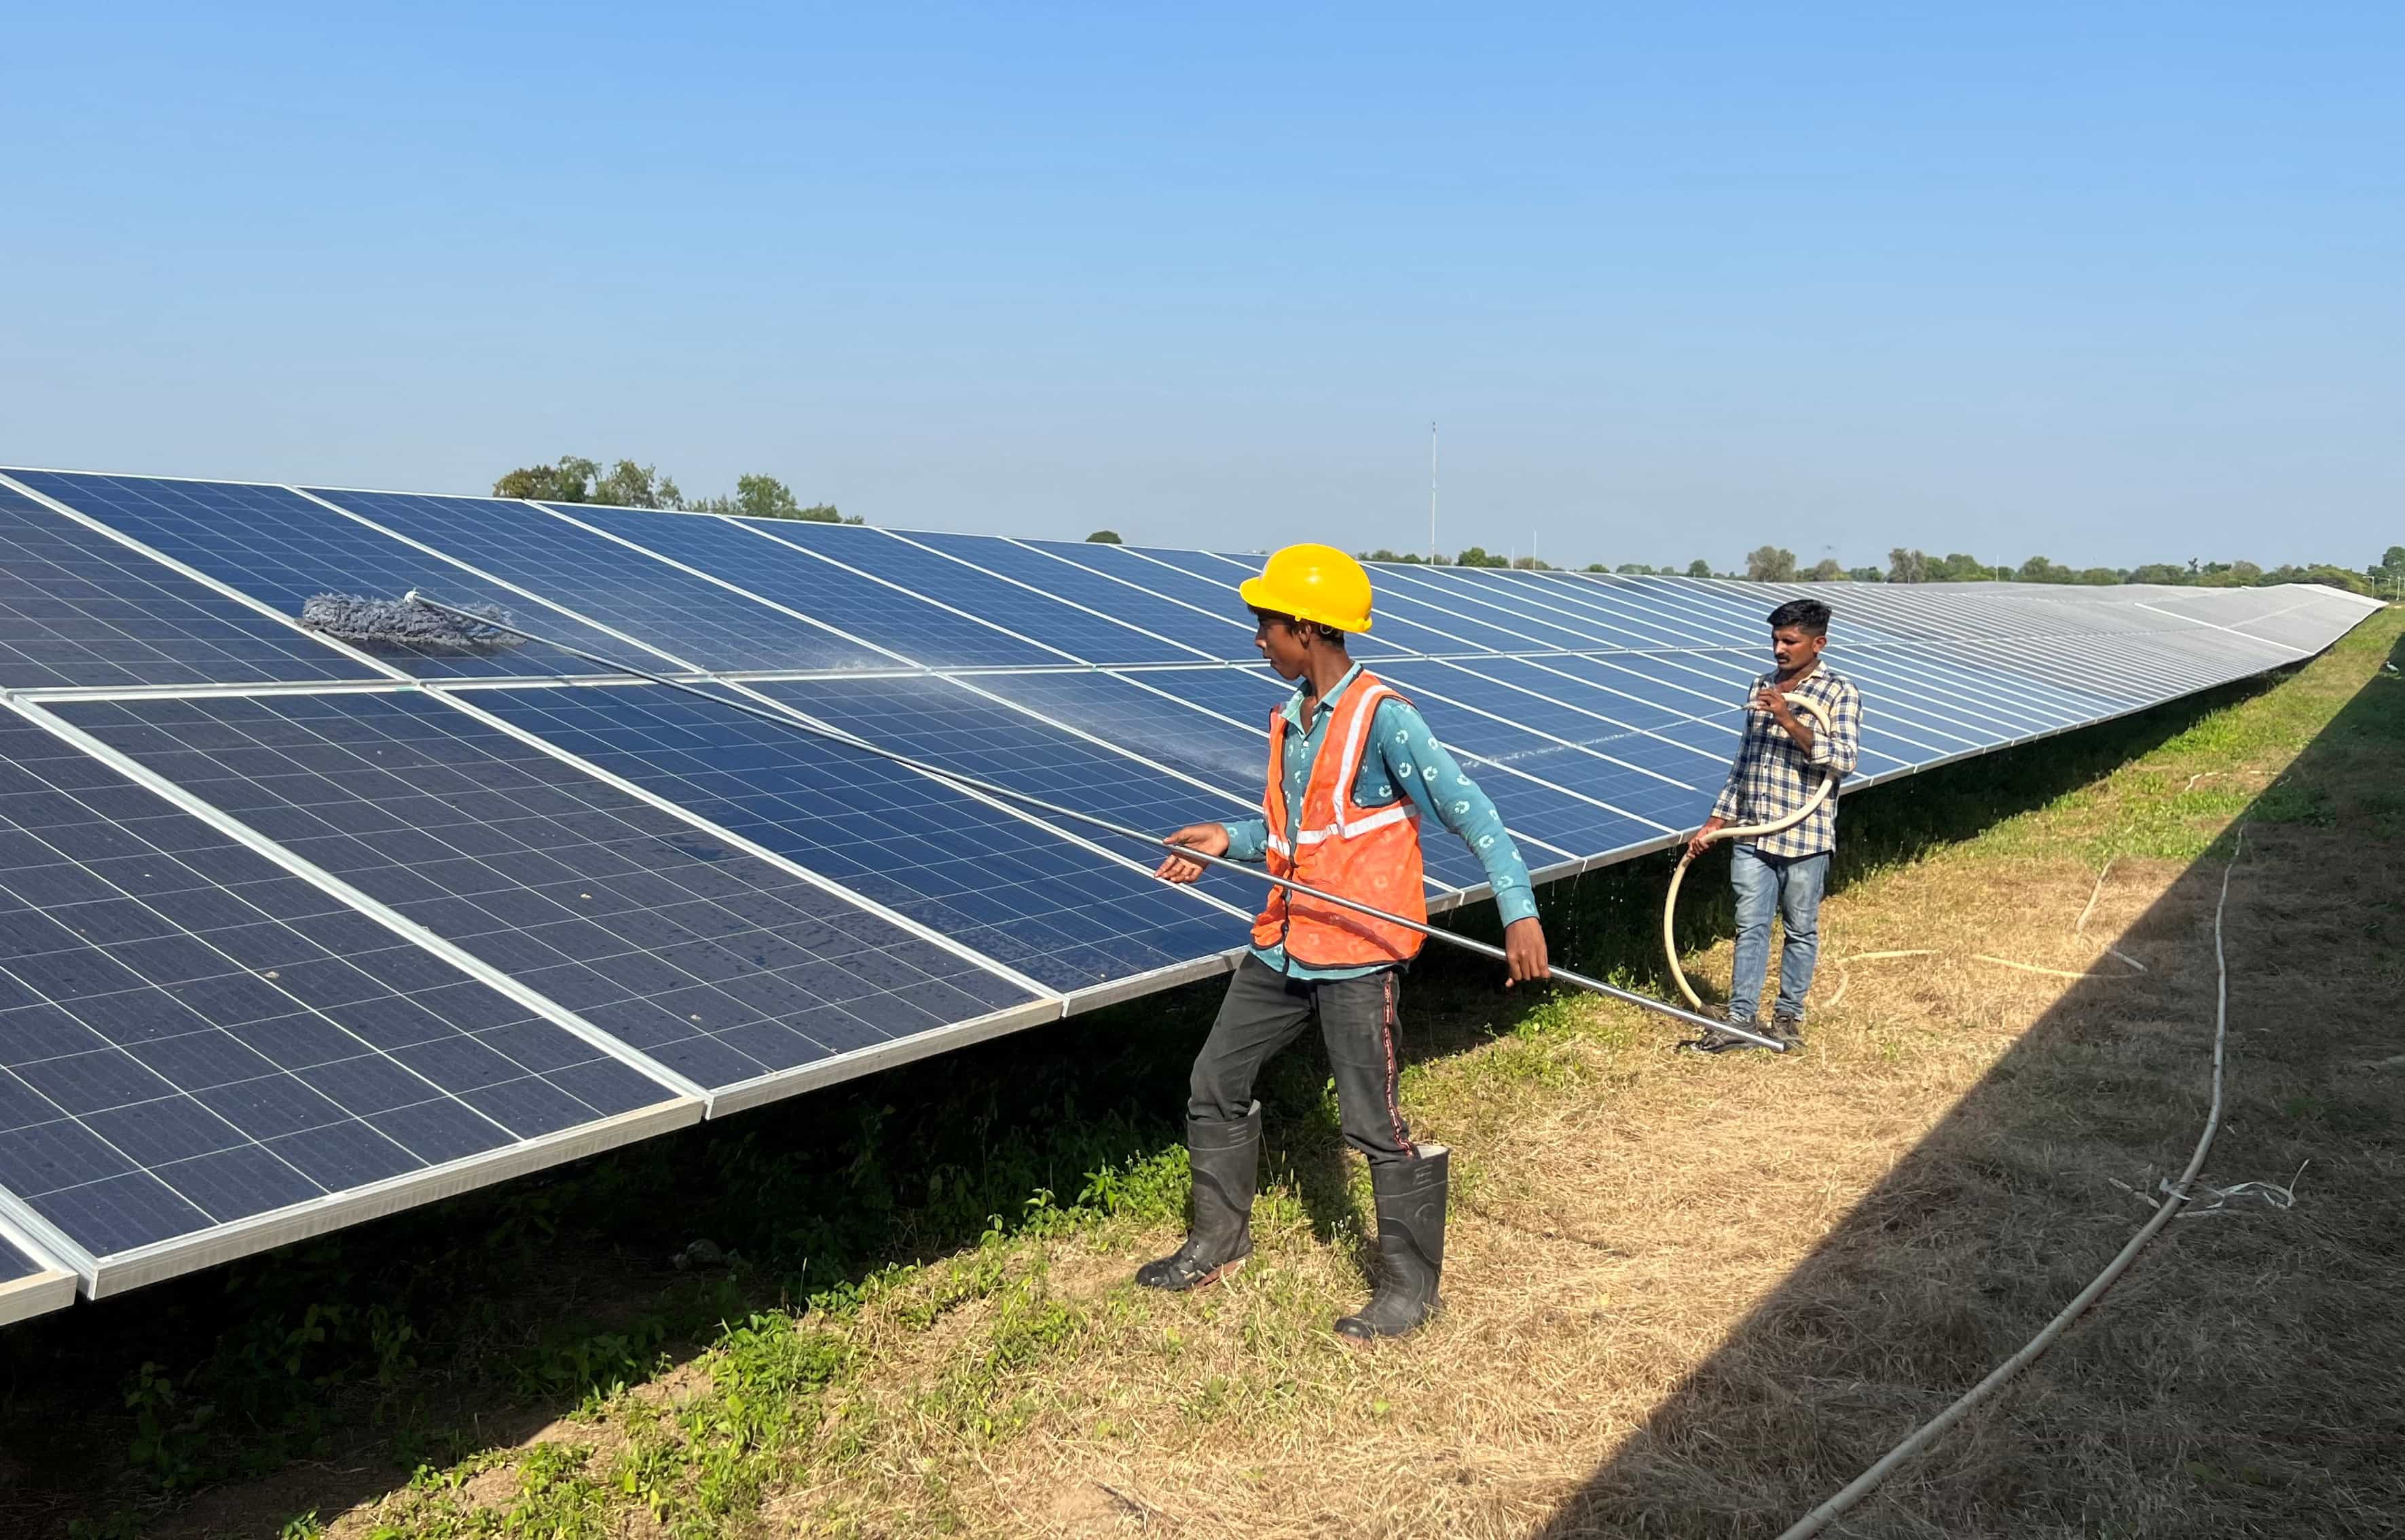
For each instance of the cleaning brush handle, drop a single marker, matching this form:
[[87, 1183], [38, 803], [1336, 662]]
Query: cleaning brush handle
[[790, 718], [1560, 975]]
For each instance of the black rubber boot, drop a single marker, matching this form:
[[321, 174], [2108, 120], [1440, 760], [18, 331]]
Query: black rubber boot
[[1226, 1162], [1411, 1246]]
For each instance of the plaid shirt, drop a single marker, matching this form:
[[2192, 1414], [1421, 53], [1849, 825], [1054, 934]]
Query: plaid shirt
[[1772, 777]]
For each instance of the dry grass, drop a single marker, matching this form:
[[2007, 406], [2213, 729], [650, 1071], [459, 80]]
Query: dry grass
[[1690, 1296]]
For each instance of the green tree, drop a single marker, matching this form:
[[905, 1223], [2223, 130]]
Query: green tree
[[1957, 567], [1532, 564], [628, 485], [1771, 564], [1904, 566], [2097, 577], [1596, 566], [2333, 577], [1476, 557], [1866, 574], [1105, 537], [2167, 572], [2387, 574], [568, 480], [1823, 571], [573, 478], [1699, 567], [765, 497]]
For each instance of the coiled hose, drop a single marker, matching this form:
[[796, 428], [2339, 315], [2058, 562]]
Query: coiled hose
[[1811, 804]]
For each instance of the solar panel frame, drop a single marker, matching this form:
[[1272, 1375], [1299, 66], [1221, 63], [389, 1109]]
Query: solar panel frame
[[31, 1281]]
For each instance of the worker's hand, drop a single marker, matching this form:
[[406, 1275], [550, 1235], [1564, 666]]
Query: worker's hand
[[1771, 699], [1523, 947], [1702, 842], [1210, 838]]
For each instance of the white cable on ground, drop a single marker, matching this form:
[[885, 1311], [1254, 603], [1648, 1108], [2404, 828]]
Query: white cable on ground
[[2275, 1195], [1846, 980], [2177, 1195], [2079, 927]]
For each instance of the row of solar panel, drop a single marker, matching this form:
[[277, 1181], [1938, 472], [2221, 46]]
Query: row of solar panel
[[693, 593], [285, 959]]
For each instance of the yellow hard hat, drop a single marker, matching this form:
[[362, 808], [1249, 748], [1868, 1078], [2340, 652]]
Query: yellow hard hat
[[1313, 583]]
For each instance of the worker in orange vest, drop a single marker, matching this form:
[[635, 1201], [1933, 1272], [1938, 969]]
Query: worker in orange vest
[[1353, 769]]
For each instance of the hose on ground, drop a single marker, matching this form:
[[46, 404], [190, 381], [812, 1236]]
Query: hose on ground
[[1819, 794], [2177, 1195]]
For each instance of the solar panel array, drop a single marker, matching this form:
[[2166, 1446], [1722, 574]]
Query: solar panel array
[[294, 932]]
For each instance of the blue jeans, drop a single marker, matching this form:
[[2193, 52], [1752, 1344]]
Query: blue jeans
[[1790, 886]]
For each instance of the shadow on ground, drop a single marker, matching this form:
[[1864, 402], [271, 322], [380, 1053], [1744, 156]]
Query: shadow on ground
[[322, 1375], [2247, 1377]]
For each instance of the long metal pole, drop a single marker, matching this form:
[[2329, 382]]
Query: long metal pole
[[788, 718]]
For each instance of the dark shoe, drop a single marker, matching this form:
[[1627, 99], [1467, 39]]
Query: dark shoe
[[1717, 1041], [1787, 1029], [1411, 1197], [1226, 1162]]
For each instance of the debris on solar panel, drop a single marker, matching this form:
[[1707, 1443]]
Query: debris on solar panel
[[405, 623]]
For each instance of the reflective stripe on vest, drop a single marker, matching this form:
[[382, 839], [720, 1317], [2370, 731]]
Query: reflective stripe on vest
[[1369, 854]]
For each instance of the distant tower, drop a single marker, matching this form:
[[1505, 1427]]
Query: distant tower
[[1431, 494]]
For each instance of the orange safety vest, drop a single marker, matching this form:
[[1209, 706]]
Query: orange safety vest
[[1368, 854]]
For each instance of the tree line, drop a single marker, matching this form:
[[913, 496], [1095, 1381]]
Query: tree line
[[625, 484], [1777, 564], [1478, 556], [572, 478]]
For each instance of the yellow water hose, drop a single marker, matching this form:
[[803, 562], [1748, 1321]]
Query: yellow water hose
[[1747, 831]]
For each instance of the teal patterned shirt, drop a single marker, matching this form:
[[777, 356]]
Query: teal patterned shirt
[[1404, 760]]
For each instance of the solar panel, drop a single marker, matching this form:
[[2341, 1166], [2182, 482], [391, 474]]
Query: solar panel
[[1008, 886], [1089, 576], [956, 723], [723, 967], [758, 555], [636, 593], [78, 609], [995, 579], [292, 935], [275, 545], [197, 1046]]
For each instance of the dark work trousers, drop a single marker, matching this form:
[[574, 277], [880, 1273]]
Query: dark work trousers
[[1264, 1010]]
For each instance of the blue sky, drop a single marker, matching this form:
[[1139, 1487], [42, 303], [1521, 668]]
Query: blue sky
[[2112, 283]]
